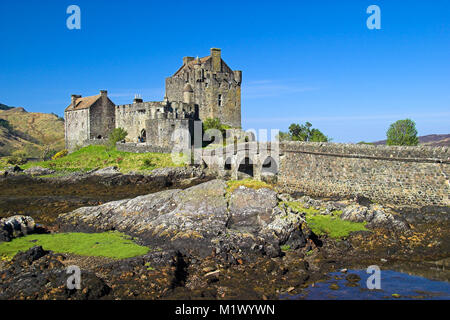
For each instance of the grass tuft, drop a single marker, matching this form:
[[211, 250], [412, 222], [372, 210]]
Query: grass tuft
[[333, 226], [248, 183]]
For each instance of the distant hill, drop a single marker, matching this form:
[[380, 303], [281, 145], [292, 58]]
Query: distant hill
[[5, 107], [433, 140], [29, 132]]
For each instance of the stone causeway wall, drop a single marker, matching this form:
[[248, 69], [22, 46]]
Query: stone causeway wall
[[141, 148], [404, 177], [400, 176]]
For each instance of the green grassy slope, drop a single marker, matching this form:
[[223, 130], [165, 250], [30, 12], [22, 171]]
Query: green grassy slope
[[92, 157]]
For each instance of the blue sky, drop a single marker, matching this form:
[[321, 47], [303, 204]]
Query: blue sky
[[301, 60]]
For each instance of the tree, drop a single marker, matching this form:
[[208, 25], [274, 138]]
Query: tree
[[402, 133], [118, 134], [317, 136], [303, 132]]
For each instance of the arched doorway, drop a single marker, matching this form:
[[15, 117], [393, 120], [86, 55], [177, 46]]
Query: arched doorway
[[143, 136]]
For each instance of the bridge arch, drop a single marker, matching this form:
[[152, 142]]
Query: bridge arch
[[269, 165], [245, 167]]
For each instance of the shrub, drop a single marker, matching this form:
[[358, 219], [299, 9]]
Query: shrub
[[214, 123], [148, 163], [5, 124], [16, 160], [60, 154], [118, 134], [48, 153]]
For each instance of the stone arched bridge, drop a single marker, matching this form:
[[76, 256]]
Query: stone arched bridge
[[249, 159]]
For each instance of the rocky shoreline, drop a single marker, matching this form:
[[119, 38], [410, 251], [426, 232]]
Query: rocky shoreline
[[45, 197], [209, 242]]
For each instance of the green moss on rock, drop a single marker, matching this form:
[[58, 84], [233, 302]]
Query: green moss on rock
[[113, 245]]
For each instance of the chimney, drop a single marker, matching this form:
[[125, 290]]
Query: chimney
[[137, 98], [74, 99], [186, 60], [103, 93], [216, 59]]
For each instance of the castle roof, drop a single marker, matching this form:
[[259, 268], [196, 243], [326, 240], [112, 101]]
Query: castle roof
[[191, 64], [83, 103]]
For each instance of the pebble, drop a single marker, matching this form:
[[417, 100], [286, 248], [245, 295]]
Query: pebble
[[353, 278], [208, 269], [334, 286], [212, 274]]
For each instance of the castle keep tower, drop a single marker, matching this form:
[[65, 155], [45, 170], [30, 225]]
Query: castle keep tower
[[211, 84]]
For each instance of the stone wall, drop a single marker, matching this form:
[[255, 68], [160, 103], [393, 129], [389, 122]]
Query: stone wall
[[77, 128], [160, 132], [141, 148], [401, 176], [102, 118], [133, 117]]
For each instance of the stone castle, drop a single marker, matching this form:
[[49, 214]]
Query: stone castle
[[404, 177], [201, 88]]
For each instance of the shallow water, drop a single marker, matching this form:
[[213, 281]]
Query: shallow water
[[402, 285]]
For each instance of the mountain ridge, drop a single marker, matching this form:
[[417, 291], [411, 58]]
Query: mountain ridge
[[433, 140]]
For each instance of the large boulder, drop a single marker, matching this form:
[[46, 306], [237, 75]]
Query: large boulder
[[251, 209], [37, 274], [16, 226], [12, 170], [199, 220], [38, 171], [106, 171], [375, 215]]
